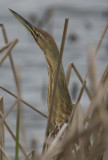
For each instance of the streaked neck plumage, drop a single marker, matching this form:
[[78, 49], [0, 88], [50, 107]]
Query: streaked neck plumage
[[62, 104]]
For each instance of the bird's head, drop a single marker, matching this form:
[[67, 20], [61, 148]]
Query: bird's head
[[42, 38]]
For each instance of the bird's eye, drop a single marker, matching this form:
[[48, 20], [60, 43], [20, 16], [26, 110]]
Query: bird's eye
[[37, 34]]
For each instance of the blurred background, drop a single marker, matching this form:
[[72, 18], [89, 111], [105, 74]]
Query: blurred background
[[87, 19]]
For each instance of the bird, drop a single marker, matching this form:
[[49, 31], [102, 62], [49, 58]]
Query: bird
[[62, 103]]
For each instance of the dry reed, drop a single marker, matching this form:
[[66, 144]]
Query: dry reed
[[1, 128]]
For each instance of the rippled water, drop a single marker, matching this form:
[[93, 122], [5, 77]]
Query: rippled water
[[87, 21]]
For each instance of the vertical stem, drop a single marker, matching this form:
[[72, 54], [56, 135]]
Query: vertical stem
[[17, 131], [18, 92], [18, 119], [55, 82], [1, 127]]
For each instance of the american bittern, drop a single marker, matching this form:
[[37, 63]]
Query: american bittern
[[62, 104]]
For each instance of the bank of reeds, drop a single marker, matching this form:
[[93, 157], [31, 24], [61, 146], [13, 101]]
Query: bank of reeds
[[85, 136]]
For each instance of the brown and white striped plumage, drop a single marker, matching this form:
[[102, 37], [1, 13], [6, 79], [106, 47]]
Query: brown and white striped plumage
[[62, 104]]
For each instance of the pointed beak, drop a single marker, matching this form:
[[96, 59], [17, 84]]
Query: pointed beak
[[25, 23]]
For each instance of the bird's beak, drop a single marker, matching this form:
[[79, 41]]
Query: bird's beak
[[26, 24]]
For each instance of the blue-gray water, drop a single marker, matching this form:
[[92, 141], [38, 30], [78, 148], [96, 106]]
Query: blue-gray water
[[87, 22]]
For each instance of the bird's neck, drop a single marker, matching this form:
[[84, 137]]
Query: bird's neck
[[52, 63], [62, 102]]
